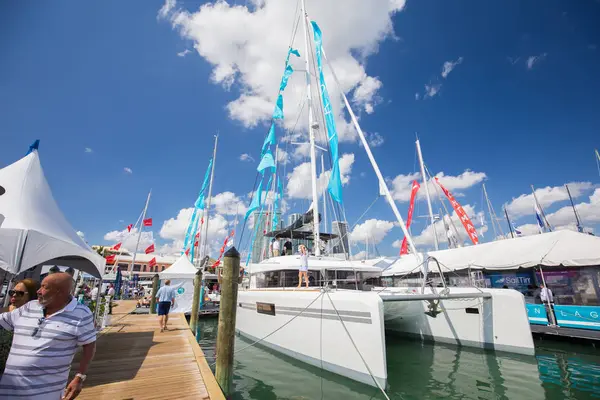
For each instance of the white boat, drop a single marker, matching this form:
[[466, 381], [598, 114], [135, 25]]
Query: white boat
[[339, 322]]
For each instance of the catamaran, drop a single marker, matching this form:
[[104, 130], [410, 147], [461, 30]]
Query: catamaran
[[338, 323]]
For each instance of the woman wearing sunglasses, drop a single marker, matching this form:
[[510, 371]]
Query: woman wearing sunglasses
[[24, 291]]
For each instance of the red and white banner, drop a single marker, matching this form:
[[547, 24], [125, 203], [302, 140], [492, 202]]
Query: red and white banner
[[117, 246], [148, 222], [411, 208], [152, 262], [149, 249], [460, 212]]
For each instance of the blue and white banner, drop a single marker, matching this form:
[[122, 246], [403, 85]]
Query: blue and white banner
[[582, 317], [537, 314], [335, 180], [190, 233]]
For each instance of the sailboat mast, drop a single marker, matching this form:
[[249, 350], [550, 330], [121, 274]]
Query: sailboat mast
[[207, 210], [140, 233], [435, 238], [579, 226], [382, 184], [324, 196], [541, 209], [509, 224], [597, 160], [311, 134]]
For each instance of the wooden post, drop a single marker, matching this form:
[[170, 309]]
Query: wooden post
[[227, 311], [196, 300], [154, 290]]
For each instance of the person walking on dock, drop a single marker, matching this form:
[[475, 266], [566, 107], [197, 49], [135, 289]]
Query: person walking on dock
[[47, 333], [165, 297]]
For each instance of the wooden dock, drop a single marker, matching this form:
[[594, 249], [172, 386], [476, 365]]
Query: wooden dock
[[134, 360]]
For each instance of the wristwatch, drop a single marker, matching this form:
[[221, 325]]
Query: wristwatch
[[81, 376]]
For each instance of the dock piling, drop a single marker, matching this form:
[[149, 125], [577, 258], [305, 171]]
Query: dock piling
[[196, 300], [227, 313], [154, 290]]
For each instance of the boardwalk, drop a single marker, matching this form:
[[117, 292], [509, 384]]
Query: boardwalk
[[135, 361]]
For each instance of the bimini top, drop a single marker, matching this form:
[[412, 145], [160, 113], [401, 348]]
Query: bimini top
[[560, 248], [314, 263], [33, 230]]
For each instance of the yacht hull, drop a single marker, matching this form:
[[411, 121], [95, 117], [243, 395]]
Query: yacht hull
[[316, 335], [498, 323]]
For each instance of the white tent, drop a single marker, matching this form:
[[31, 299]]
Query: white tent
[[561, 248], [33, 230], [181, 274]]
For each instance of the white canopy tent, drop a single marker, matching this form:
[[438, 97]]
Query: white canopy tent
[[181, 274], [561, 248], [33, 230]]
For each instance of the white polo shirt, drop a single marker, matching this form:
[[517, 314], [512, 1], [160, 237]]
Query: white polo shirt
[[43, 348]]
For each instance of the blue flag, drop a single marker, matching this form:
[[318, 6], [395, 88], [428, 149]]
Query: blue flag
[[270, 139], [278, 112], [255, 200], [267, 161]]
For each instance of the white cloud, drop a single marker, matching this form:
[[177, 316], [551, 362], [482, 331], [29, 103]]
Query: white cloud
[[246, 46], [589, 212], [81, 235], [128, 170], [401, 185], [374, 139], [299, 180], [361, 255], [397, 243], [523, 205], [533, 60], [246, 157], [449, 66], [129, 239], [432, 89], [366, 93], [373, 230], [228, 203], [183, 53], [282, 156], [88, 150]]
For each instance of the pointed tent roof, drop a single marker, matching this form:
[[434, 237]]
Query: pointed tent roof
[[181, 269], [33, 230]]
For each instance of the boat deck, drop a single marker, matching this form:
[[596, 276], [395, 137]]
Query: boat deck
[[556, 332], [134, 360]]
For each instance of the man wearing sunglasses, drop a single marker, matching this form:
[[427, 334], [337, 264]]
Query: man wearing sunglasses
[[47, 333]]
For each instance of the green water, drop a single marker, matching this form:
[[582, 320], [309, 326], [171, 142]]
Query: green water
[[421, 371]]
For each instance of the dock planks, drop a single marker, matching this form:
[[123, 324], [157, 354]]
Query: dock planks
[[134, 360]]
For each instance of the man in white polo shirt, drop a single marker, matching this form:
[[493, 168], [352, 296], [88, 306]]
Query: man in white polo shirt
[[47, 333]]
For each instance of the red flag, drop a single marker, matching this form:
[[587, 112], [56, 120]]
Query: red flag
[[110, 259], [150, 249], [129, 227], [196, 243], [148, 222], [197, 235], [117, 246], [187, 252], [460, 212], [411, 208], [152, 262], [202, 220]]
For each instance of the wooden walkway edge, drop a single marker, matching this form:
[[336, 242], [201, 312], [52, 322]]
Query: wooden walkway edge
[[134, 360]]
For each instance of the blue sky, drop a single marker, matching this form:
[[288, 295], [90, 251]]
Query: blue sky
[[107, 76]]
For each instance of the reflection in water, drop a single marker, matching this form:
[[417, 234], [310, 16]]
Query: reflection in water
[[421, 371]]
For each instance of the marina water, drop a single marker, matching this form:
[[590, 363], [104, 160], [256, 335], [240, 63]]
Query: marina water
[[420, 371]]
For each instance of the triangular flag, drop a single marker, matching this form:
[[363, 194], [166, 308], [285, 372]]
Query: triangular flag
[[294, 52], [187, 252], [117, 246], [129, 227]]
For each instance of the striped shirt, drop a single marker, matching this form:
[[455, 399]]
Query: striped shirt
[[43, 348]]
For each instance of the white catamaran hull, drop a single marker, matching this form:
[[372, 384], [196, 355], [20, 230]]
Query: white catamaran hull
[[498, 323], [317, 336]]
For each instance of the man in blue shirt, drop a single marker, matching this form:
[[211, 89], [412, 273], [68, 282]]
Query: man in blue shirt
[[165, 297]]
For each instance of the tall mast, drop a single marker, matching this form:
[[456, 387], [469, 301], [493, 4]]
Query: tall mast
[[457, 237], [311, 133], [382, 183], [324, 195], [140, 233], [207, 210], [509, 224], [579, 226], [493, 217], [435, 238], [597, 160]]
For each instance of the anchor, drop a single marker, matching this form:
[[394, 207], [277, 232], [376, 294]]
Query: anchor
[[434, 309]]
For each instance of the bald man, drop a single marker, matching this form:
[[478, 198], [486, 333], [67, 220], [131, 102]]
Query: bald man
[[47, 332]]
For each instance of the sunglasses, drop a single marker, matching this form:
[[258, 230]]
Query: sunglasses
[[17, 293]]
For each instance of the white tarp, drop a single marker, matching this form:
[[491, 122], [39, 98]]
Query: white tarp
[[181, 274], [565, 247], [33, 230]]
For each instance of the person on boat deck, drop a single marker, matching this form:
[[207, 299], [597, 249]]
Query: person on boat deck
[[275, 244], [303, 271], [546, 295], [287, 248]]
